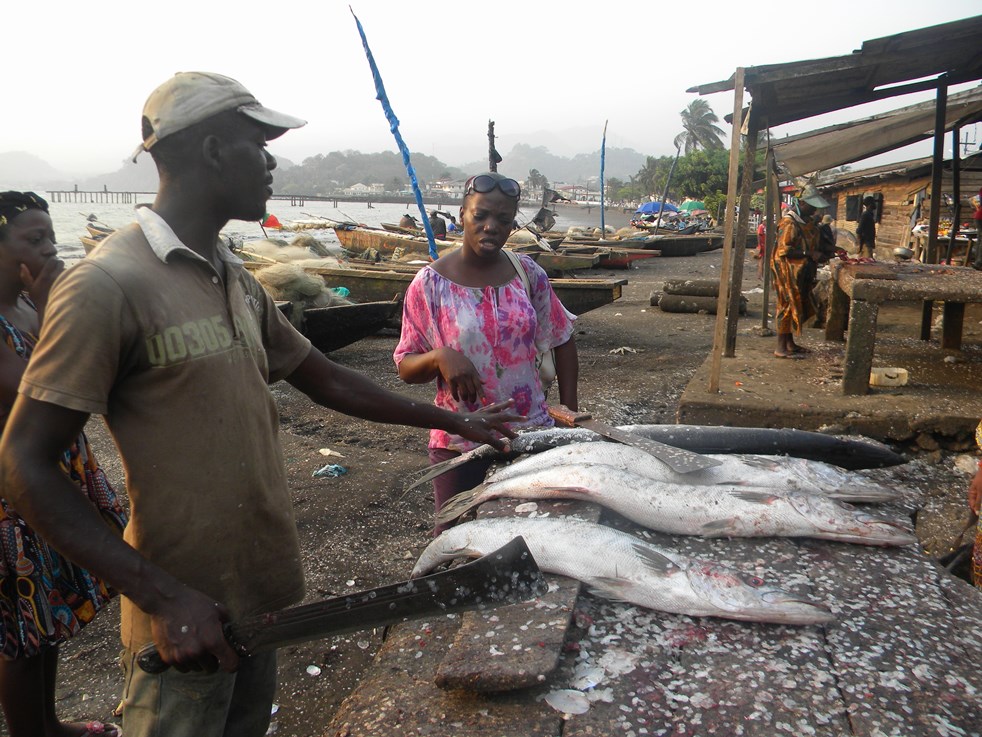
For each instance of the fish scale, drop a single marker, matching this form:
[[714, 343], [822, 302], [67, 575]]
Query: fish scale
[[629, 569]]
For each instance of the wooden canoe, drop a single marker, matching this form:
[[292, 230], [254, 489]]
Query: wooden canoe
[[356, 240], [89, 243], [684, 245], [98, 231], [612, 257], [381, 283], [330, 328]]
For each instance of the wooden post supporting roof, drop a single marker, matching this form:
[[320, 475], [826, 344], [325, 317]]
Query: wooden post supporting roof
[[719, 335], [936, 170], [739, 253]]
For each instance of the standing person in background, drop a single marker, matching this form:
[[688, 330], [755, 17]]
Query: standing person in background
[[866, 229], [761, 247], [164, 332], [438, 226], [977, 217], [826, 239], [44, 598], [974, 503], [795, 256], [470, 323]]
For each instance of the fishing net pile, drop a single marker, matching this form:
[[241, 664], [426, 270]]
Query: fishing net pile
[[290, 283]]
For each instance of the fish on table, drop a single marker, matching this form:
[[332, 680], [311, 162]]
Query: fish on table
[[772, 472], [845, 452], [707, 510], [619, 566]]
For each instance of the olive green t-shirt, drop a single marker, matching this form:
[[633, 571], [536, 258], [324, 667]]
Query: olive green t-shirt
[[146, 333]]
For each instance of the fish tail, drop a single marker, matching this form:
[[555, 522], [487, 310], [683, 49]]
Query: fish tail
[[461, 503]]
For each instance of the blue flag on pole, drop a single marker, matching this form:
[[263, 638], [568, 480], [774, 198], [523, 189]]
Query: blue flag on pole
[[603, 154], [394, 127]]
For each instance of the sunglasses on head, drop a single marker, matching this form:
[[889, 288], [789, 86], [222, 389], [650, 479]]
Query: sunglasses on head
[[484, 183]]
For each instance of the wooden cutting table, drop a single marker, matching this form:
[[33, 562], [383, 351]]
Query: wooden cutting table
[[859, 290]]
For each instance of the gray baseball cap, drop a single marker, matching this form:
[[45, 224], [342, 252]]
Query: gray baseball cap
[[188, 98]]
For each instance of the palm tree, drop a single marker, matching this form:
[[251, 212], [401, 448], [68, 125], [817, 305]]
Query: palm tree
[[699, 128]]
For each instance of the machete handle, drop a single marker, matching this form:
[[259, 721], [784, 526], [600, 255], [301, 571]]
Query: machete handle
[[150, 661], [566, 417]]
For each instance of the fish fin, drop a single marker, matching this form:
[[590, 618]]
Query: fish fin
[[653, 559], [716, 528], [608, 587], [756, 497], [460, 503]]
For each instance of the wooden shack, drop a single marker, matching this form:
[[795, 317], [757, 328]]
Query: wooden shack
[[903, 192]]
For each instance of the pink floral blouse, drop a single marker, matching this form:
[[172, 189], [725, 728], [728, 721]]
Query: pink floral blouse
[[497, 328]]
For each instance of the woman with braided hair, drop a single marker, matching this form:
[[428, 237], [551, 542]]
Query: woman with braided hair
[[44, 598]]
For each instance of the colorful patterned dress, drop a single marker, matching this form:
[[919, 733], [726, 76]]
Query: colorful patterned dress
[[44, 598], [977, 549], [498, 328], [795, 240]]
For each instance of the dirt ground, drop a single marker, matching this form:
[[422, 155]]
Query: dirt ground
[[360, 531]]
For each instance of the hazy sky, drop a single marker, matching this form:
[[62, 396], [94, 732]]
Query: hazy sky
[[547, 73]]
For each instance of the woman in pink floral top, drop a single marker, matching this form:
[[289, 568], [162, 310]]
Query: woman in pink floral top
[[468, 322]]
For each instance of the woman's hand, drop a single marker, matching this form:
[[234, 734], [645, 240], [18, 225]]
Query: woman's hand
[[487, 424], [38, 286], [459, 373], [975, 491]]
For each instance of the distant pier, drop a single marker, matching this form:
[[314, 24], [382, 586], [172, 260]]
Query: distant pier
[[103, 195]]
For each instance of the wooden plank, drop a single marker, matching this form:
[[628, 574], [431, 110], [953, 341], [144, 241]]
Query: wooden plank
[[520, 645], [402, 700], [719, 334]]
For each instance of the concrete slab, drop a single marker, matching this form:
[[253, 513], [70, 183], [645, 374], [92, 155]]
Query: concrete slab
[[757, 389]]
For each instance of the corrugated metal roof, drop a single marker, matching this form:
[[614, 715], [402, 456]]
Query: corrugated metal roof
[[783, 93], [860, 139]]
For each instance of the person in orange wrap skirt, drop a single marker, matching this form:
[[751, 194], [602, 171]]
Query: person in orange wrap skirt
[[792, 265]]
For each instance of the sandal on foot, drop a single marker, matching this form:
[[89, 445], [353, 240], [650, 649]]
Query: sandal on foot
[[783, 355]]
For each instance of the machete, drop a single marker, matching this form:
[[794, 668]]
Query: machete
[[506, 576]]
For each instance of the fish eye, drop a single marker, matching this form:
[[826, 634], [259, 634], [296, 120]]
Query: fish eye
[[755, 581]]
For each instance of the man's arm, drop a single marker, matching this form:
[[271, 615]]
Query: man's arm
[[352, 393], [186, 624]]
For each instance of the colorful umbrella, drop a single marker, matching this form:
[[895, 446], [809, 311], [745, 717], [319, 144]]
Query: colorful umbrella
[[691, 205], [653, 207]]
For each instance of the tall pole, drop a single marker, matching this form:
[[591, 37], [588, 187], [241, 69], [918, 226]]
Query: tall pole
[[493, 156], [664, 194], [956, 192], [740, 240], [722, 301], [773, 215], [603, 151], [937, 164]]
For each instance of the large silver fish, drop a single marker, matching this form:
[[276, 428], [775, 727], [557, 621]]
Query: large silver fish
[[619, 566], [706, 510], [771, 472]]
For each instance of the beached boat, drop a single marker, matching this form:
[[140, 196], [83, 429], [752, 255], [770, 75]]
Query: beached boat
[[356, 239], [89, 243], [330, 328], [611, 257], [373, 283], [98, 230]]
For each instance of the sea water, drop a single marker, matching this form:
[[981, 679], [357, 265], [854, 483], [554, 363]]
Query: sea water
[[70, 218]]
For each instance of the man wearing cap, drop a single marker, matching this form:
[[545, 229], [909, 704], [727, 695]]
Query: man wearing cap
[[797, 246], [164, 333]]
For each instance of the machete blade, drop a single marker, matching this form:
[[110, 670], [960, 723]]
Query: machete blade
[[506, 576]]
